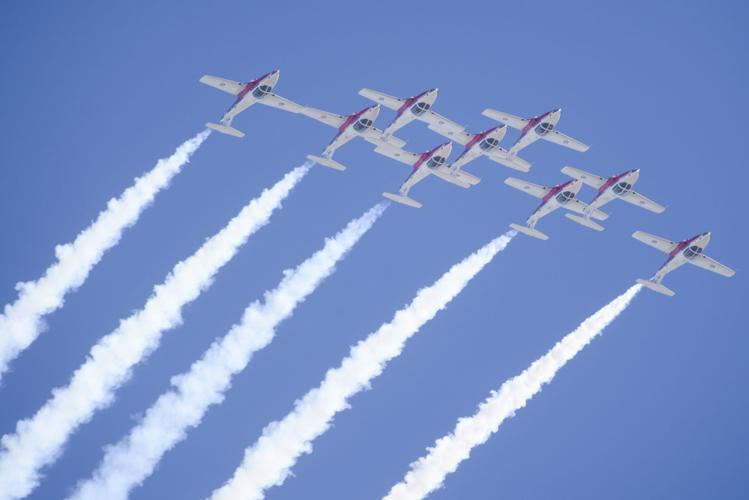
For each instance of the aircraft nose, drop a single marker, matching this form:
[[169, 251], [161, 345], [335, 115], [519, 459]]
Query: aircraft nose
[[636, 171]]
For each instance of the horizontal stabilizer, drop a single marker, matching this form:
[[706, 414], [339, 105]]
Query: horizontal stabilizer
[[656, 287], [529, 231], [224, 129], [327, 162], [403, 200], [584, 221]]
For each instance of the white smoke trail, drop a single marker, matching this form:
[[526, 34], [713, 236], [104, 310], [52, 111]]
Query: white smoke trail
[[268, 462], [129, 462], [40, 439], [21, 322], [428, 472]]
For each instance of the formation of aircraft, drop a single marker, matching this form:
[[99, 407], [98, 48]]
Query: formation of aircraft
[[487, 143]]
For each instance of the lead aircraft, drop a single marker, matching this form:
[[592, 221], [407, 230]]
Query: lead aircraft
[[554, 197], [359, 124], [616, 187], [532, 129], [418, 107], [679, 253], [258, 90], [424, 164]]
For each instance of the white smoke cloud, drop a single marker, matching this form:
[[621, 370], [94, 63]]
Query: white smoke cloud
[[269, 461], [129, 462], [21, 322], [40, 439], [428, 472]]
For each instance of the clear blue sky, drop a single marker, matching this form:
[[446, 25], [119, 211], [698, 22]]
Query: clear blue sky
[[94, 93]]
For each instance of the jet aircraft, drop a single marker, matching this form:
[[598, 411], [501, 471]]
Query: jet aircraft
[[616, 187], [418, 107], [554, 197], [539, 127], [429, 162], [679, 253], [258, 90], [486, 143], [359, 124]]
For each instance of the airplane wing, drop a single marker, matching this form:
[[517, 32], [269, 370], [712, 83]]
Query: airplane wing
[[528, 187], [713, 265], [446, 174], [511, 120], [461, 137], [662, 244], [466, 157], [386, 100], [331, 119], [592, 180], [581, 207], [564, 140], [641, 201], [397, 154], [228, 86], [441, 125], [373, 135], [276, 101], [515, 162]]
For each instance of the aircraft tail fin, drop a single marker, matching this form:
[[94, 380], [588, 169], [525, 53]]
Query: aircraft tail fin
[[403, 200], [585, 221], [529, 231], [327, 162], [656, 287], [225, 129]]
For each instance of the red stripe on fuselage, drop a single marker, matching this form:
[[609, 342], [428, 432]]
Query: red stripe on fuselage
[[249, 86], [553, 191], [408, 103]]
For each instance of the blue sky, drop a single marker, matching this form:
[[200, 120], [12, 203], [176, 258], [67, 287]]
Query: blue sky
[[93, 94]]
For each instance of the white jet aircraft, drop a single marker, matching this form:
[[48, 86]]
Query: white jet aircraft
[[679, 253], [486, 143], [358, 124], [259, 90], [429, 162], [618, 186], [413, 108], [538, 127], [561, 195]]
